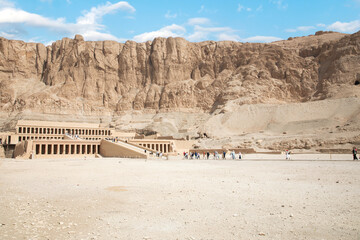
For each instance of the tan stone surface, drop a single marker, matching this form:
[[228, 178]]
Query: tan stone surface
[[180, 89], [2, 152], [74, 75], [29, 123], [138, 199], [120, 149]]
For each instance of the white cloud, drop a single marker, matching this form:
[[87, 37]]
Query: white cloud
[[88, 25], [168, 15], [96, 13], [263, 39], [320, 25], [290, 30], [221, 33], [8, 35], [305, 28], [280, 4], [241, 7], [49, 43], [198, 21], [12, 15], [213, 29], [197, 36], [346, 27], [300, 29], [98, 36], [5, 3], [11, 33], [130, 17], [168, 31], [199, 33], [202, 8], [228, 37], [260, 8]]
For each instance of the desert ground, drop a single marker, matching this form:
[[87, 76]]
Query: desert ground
[[180, 199]]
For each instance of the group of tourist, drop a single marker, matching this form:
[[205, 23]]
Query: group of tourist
[[75, 136], [158, 154], [115, 140], [214, 155]]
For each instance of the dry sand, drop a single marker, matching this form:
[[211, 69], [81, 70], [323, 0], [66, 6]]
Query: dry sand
[[179, 199]]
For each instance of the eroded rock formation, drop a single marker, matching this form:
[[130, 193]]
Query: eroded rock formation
[[76, 76]]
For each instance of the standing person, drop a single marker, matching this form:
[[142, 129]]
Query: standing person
[[287, 153], [224, 155], [354, 153], [233, 155], [240, 156], [207, 155]]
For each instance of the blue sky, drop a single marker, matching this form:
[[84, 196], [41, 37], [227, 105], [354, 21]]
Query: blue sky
[[140, 20]]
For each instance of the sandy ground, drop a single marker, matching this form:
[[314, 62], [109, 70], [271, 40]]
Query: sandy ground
[[179, 199]]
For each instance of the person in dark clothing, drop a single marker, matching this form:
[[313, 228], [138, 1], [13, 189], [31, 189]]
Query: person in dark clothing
[[207, 155], [355, 153]]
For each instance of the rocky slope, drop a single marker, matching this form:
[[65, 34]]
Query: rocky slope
[[172, 73], [84, 80]]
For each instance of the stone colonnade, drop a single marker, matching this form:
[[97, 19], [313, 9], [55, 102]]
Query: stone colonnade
[[39, 133], [62, 131], [159, 147], [57, 148], [23, 138]]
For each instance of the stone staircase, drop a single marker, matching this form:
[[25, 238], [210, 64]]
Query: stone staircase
[[121, 149]]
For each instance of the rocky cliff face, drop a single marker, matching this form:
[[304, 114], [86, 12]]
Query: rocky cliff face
[[92, 78]]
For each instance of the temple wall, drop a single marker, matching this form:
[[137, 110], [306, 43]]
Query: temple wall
[[2, 152], [42, 139], [64, 148]]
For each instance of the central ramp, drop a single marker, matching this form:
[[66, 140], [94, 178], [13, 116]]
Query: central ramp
[[121, 149]]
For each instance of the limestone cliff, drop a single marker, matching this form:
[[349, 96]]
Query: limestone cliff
[[107, 77]]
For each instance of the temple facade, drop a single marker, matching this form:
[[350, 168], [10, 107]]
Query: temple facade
[[43, 139]]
